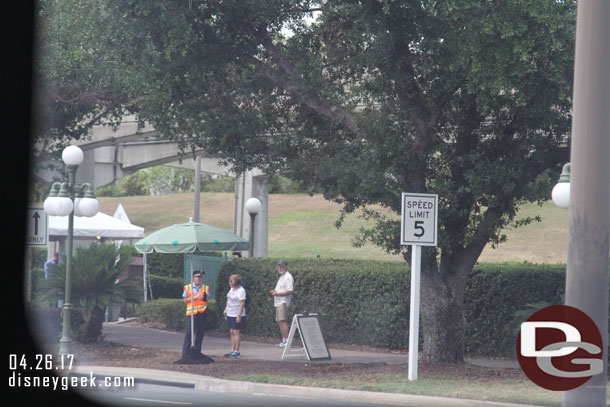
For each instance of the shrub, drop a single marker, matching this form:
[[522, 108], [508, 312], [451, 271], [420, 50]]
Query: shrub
[[495, 292], [166, 264], [39, 285], [39, 256], [93, 285], [367, 302], [212, 315], [46, 323], [165, 287], [360, 302], [171, 313]]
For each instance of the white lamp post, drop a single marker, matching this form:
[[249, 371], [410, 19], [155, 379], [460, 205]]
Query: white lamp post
[[68, 199], [253, 206], [561, 191]]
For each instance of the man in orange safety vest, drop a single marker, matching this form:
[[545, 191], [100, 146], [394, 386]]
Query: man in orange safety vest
[[195, 297]]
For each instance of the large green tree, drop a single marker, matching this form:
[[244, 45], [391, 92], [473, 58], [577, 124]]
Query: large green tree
[[75, 84], [364, 100]]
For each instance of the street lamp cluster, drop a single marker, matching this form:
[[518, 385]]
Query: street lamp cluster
[[67, 197], [59, 202], [70, 199]]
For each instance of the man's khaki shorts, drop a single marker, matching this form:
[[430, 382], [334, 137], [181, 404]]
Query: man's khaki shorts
[[281, 313]]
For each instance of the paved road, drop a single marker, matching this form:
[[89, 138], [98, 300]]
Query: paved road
[[162, 395], [235, 390]]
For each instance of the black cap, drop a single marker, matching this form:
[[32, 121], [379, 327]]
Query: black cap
[[283, 263], [198, 273]]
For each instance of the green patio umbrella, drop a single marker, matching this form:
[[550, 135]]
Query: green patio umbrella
[[190, 237]]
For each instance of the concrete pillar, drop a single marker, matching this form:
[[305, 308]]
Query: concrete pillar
[[238, 205], [589, 215], [250, 184], [100, 166], [196, 209]]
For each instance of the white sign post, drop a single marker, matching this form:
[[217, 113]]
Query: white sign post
[[37, 231], [419, 225]]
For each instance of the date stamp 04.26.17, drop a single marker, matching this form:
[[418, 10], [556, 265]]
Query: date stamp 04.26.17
[[30, 371]]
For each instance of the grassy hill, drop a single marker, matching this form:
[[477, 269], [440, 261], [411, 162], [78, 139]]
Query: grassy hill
[[304, 226]]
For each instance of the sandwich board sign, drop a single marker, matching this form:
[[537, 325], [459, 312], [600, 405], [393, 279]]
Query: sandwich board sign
[[37, 233], [418, 227], [314, 346]]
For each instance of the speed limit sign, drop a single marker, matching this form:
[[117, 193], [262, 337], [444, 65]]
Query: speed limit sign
[[418, 228], [419, 219]]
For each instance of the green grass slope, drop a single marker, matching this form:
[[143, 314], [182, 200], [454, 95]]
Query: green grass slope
[[304, 226]]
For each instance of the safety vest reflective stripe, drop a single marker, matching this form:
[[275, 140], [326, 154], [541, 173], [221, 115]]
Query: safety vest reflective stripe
[[198, 305]]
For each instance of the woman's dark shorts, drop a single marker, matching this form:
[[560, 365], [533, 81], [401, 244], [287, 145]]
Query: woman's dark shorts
[[234, 325]]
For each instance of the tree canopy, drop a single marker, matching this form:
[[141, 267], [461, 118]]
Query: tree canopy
[[363, 100]]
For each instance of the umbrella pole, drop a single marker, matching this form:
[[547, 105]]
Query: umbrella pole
[[144, 279], [192, 310]]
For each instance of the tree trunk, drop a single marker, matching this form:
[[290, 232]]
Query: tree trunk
[[442, 304], [92, 330], [442, 319]]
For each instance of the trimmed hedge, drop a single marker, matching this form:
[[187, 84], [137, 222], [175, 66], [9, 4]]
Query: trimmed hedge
[[359, 302], [171, 313], [166, 264], [495, 292], [367, 302], [165, 287], [171, 264]]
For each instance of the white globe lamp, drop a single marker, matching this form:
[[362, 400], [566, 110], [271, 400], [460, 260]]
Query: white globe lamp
[[77, 211], [63, 206], [72, 155], [253, 206], [561, 191], [561, 195], [88, 206], [49, 205]]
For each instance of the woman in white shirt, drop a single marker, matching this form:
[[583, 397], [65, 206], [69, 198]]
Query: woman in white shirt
[[235, 312]]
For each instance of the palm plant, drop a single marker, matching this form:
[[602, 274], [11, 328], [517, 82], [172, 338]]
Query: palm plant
[[94, 285]]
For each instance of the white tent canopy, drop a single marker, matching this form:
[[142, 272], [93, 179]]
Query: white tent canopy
[[101, 225], [120, 214]]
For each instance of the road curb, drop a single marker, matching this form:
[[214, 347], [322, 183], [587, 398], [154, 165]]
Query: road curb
[[153, 376], [179, 379]]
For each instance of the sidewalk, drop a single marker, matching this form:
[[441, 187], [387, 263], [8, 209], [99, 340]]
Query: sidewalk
[[137, 336], [215, 347]]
